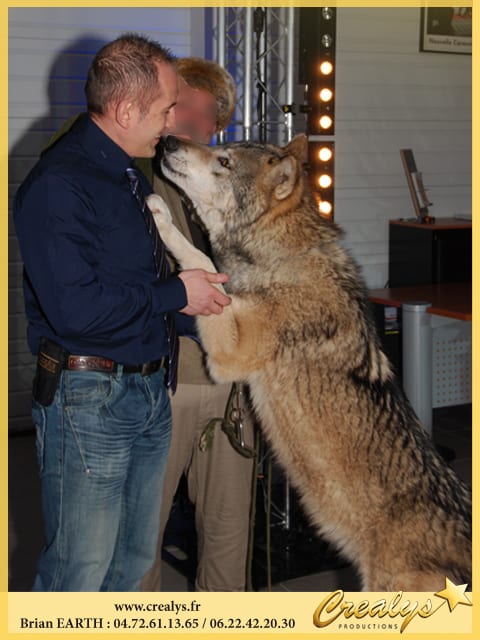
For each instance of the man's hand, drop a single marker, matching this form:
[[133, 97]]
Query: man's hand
[[203, 298]]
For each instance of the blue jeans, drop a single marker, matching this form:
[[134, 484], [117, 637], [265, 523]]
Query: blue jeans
[[102, 447]]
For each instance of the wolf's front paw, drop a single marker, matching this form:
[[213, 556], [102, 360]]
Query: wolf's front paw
[[161, 212]]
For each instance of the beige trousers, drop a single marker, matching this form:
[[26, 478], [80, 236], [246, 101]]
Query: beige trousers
[[219, 485]]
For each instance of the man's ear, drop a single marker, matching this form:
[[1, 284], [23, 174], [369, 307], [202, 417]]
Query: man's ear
[[124, 113], [284, 176]]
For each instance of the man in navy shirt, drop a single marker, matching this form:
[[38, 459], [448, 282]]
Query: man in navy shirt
[[98, 309]]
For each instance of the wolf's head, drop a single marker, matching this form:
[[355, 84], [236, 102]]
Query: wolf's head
[[237, 182]]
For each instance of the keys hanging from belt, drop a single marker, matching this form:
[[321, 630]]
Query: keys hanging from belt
[[231, 424]]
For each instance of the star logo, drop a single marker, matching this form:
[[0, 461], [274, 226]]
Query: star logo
[[454, 594]]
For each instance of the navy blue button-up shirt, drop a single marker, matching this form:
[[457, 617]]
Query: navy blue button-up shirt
[[89, 277]]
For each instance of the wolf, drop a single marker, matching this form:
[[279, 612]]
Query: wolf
[[300, 333]]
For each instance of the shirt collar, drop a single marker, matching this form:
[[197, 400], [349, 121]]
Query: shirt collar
[[101, 148]]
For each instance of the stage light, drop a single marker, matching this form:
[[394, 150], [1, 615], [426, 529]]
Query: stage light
[[325, 154], [325, 181], [327, 40], [325, 208], [325, 122], [320, 170], [326, 67], [327, 13], [317, 37], [326, 95], [317, 43]]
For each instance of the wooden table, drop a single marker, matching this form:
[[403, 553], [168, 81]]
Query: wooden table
[[418, 303], [453, 300]]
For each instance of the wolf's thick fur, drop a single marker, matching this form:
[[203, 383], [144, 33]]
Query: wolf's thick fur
[[300, 333]]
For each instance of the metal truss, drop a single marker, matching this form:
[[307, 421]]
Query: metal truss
[[256, 45]]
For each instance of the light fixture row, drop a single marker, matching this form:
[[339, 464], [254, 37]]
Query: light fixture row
[[318, 28], [320, 169]]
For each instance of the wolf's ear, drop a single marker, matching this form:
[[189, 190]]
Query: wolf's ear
[[284, 177], [298, 147]]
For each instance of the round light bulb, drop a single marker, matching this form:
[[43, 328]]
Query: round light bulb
[[325, 154], [325, 181], [326, 95], [325, 122], [326, 68], [325, 207], [326, 40]]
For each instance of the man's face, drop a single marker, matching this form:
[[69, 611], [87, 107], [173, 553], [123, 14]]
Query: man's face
[[195, 114], [146, 130]]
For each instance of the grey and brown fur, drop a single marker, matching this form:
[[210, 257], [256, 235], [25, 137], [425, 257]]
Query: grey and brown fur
[[300, 333]]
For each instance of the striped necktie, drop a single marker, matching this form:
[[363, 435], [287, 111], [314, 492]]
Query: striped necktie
[[162, 269]]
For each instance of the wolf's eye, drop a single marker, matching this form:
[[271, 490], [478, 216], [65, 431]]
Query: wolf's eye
[[224, 162]]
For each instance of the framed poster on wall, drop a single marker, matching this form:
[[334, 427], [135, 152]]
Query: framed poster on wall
[[446, 29]]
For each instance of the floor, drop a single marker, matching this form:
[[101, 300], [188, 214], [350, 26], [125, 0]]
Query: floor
[[300, 562]]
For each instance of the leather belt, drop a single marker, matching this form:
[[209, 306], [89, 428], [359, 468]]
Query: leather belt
[[104, 365]]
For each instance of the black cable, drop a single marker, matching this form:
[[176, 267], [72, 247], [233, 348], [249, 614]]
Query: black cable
[[259, 24]]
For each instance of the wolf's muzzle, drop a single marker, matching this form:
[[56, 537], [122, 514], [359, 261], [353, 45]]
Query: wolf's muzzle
[[168, 144]]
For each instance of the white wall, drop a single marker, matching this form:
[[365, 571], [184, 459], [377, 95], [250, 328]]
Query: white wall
[[49, 53], [391, 96]]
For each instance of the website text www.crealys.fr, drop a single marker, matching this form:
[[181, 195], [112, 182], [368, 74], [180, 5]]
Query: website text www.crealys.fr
[[171, 606]]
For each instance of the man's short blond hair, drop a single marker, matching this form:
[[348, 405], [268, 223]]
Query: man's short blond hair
[[209, 76]]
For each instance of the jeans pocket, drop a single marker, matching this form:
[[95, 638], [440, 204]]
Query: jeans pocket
[[40, 421], [87, 389]]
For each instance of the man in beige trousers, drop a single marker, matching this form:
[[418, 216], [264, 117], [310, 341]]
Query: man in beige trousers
[[219, 478]]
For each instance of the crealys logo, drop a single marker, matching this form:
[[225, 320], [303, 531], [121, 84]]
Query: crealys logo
[[335, 608]]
